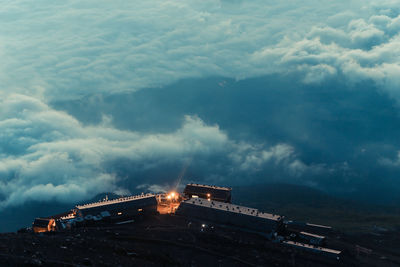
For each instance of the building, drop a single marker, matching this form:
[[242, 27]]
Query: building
[[120, 207], [41, 225], [229, 214], [335, 254], [312, 238], [308, 227], [222, 194]]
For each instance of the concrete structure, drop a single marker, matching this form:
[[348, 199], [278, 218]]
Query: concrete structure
[[41, 225], [308, 227], [125, 206], [315, 249], [222, 194], [229, 214], [312, 238]]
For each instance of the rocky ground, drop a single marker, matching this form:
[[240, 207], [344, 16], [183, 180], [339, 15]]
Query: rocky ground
[[169, 240]]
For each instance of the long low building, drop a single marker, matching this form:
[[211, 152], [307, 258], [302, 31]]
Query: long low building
[[312, 238], [230, 214], [315, 249], [124, 206], [308, 227], [212, 192], [41, 225]]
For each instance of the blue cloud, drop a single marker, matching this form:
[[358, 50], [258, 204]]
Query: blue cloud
[[299, 89], [66, 50]]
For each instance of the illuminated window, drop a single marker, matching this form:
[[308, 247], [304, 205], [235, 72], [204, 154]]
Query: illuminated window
[[140, 209], [119, 213]]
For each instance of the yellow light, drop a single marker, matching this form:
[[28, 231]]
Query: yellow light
[[208, 195], [169, 197], [173, 194]]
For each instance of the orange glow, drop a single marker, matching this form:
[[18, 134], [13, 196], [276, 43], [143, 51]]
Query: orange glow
[[172, 196]]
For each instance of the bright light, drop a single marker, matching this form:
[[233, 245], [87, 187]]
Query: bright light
[[208, 195], [172, 195]]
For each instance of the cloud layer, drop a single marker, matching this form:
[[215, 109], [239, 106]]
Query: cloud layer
[[315, 114], [49, 155], [74, 48]]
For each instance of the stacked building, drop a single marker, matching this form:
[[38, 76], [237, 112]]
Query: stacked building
[[124, 206], [205, 203], [217, 193], [230, 214]]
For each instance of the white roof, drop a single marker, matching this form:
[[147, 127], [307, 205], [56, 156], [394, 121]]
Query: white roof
[[109, 202], [232, 208], [303, 245], [320, 226], [312, 235], [211, 186]]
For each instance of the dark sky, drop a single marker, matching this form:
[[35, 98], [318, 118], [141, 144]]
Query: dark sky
[[116, 96]]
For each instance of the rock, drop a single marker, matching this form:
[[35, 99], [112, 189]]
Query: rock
[[87, 262], [36, 262]]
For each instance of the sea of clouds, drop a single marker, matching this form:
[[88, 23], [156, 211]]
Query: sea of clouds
[[55, 51]]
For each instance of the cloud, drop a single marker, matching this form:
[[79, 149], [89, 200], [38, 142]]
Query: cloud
[[69, 49], [280, 123], [48, 155], [390, 162], [358, 52]]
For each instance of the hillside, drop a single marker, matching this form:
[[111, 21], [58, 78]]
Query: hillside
[[308, 204]]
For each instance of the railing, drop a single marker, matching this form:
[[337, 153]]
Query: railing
[[113, 201]]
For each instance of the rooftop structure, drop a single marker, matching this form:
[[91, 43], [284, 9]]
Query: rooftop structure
[[41, 225], [211, 186], [230, 214], [113, 201], [324, 251], [233, 208], [217, 193], [131, 205], [313, 239], [309, 227], [312, 235]]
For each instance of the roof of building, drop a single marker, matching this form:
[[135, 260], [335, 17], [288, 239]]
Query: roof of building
[[41, 222], [211, 187], [114, 201], [312, 235], [297, 223], [311, 247], [232, 208], [319, 226]]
